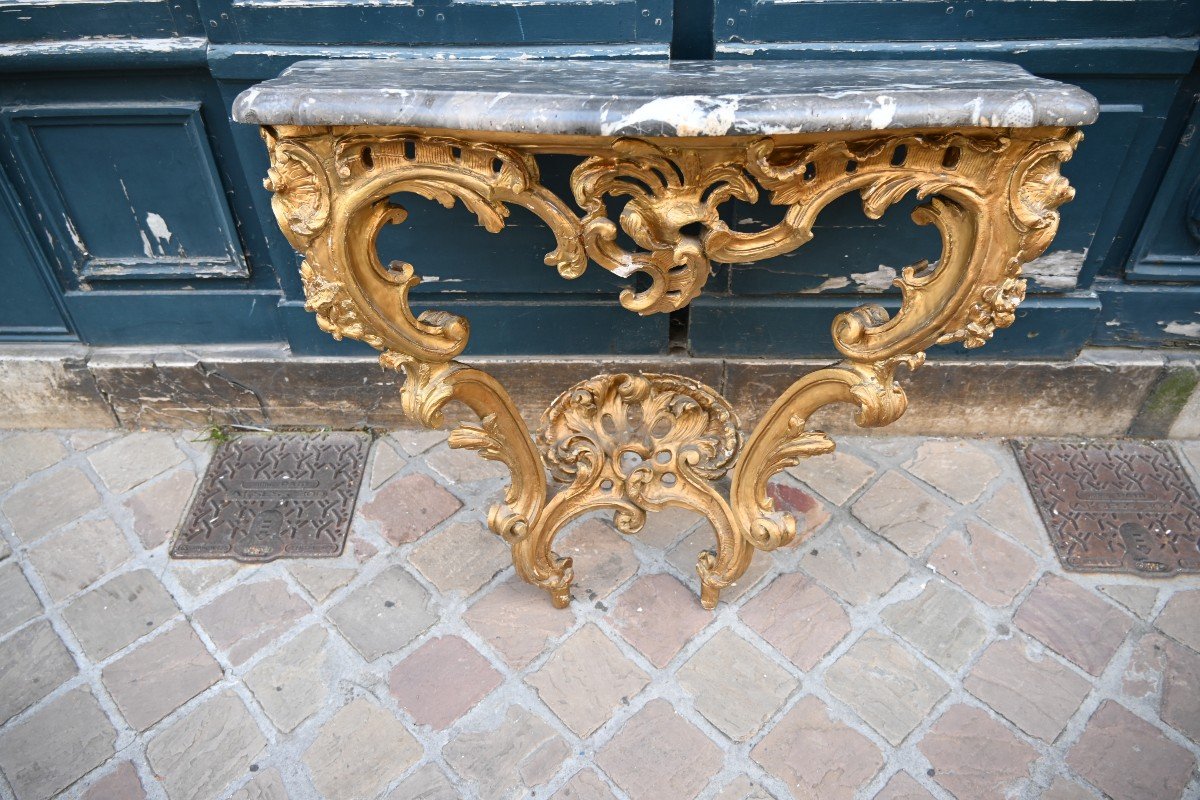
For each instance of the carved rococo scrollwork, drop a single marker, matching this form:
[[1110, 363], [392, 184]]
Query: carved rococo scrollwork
[[637, 443], [673, 193]]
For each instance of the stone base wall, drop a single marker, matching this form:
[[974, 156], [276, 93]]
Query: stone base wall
[[1103, 392]]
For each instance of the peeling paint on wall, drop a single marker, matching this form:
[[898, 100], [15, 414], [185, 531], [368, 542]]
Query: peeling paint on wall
[[878, 281], [1189, 329], [827, 285], [1058, 269], [158, 227], [75, 235]]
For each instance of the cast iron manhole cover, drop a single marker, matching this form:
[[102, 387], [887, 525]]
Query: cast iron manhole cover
[[1114, 506], [275, 496]]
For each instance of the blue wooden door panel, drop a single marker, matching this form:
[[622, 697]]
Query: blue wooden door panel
[[438, 22], [89, 20], [1145, 315], [135, 317], [1152, 55], [1169, 246], [512, 326], [29, 308], [100, 161], [1047, 327], [920, 20], [129, 192]]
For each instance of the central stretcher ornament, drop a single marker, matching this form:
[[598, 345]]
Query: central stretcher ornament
[[979, 143]]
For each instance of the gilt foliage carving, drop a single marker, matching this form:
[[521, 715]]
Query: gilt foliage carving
[[634, 443]]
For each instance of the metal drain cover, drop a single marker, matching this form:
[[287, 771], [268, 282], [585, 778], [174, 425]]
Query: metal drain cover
[[274, 496], [1114, 506]]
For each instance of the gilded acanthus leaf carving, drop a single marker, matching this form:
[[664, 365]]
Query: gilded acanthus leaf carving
[[637, 443], [300, 191], [674, 195], [336, 312]]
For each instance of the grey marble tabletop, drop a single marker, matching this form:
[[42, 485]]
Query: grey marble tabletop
[[661, 98]]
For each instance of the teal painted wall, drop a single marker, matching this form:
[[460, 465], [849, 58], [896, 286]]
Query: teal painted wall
[[132, 213]]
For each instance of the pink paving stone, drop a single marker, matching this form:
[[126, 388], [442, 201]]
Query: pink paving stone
[[817, 757], [442, 680], [1038, 695], [1009, 511], [903, 786], [407, 508], [659, 755], [658, 615], [518, 620], [586, 680], [585, 785], [799, 618], [603, 559], [1180, 618], [974, 757], [1128, 758], [985, 564], [1073, 622], [157, 677], [902, 512], [1064, 789], [250, 616], [364, 551], [837, 476], [158, 508], [1162, 670], [122, 783]]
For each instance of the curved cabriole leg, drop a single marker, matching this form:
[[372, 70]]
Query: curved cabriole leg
[[638, 443], [333, 196], [995, 216]]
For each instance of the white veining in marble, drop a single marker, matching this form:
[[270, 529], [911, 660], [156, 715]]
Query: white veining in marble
[[661, 98]]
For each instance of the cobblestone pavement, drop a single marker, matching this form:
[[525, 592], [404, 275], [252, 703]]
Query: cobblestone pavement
[[922, 643]]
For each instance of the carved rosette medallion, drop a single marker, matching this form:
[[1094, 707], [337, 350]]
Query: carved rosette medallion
[[638, 437], [637, 443]]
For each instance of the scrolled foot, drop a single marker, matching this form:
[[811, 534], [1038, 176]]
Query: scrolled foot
[[560, 596], [721, 568]]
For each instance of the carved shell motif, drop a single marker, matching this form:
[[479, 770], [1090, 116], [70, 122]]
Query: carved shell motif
[[654, 419], [301, 190]]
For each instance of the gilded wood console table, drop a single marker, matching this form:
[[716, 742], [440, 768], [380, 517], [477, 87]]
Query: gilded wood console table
[[980, 142]]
